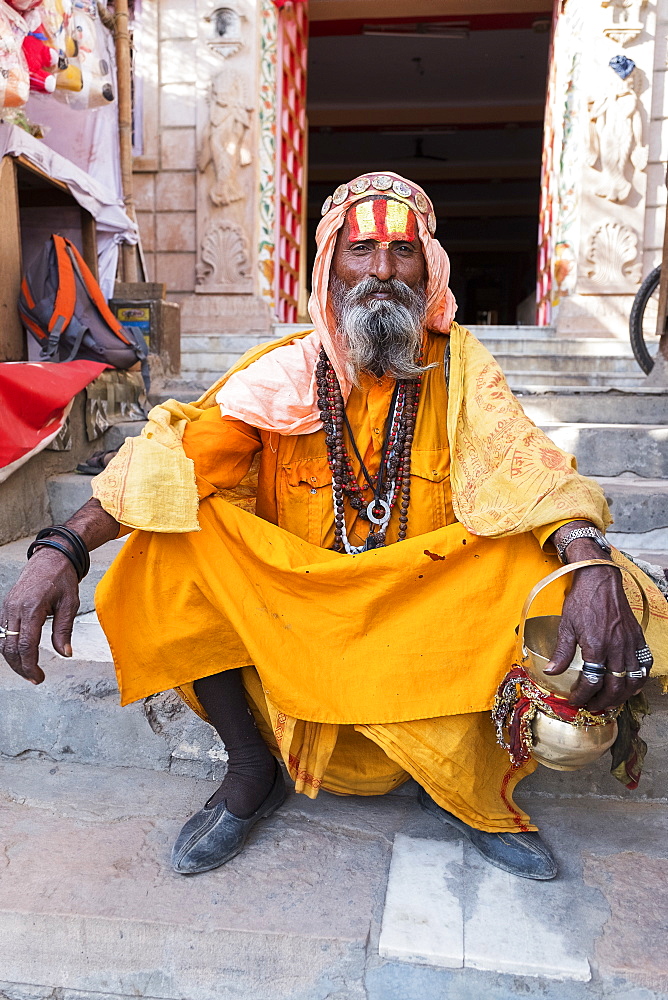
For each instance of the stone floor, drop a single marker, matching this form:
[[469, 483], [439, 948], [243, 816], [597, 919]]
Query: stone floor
[[90, 908]]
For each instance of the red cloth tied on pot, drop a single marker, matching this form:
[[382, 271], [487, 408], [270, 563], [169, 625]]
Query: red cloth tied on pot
[[517, 700]]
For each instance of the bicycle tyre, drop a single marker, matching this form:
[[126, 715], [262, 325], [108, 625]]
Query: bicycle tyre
[[643, 295]]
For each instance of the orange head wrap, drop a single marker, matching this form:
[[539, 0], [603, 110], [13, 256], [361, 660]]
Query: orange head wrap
[[278, 391]]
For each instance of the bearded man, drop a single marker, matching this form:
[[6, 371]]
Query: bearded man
[[330, 550]]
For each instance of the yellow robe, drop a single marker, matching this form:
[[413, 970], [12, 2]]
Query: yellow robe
[[402, 646]]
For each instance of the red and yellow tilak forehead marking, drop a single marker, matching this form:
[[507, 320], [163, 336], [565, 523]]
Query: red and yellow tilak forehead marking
[[383, 219]]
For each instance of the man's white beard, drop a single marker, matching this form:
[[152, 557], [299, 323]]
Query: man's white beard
[[381, 336]]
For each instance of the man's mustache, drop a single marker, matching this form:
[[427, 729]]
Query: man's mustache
[[399, 291]]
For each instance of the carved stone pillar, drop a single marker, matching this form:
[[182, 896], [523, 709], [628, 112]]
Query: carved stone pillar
[[602, 81]]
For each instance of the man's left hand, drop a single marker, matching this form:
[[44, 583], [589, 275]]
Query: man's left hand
[[597, 617]]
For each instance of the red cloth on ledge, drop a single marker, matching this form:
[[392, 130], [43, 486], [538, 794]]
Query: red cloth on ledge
[[35, 399]]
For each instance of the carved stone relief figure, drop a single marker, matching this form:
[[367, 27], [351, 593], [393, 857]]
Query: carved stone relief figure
[[612, 258], [625, 24], [615, 133], [225, 185], [224, 139]]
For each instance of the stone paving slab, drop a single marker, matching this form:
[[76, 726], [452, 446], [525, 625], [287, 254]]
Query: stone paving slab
[[423, 916], [85, 878], [89, 906]]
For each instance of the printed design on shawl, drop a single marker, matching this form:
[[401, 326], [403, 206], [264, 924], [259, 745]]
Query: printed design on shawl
[[505, 470]]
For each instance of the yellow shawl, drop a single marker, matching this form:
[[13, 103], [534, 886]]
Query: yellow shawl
[[506, 475], [416, 615]]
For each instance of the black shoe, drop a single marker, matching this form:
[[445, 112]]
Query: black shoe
[[214, 835], [522, 854]]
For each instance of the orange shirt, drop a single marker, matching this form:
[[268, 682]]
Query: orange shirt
[[294, 480]]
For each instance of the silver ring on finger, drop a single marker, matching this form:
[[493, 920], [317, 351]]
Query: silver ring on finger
[[644, 656], [591, 677], [636, 675]]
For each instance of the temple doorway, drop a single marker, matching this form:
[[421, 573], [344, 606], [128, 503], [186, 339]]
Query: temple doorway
[[454, 102]]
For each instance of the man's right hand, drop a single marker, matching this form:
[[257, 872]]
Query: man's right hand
[[47, 586]]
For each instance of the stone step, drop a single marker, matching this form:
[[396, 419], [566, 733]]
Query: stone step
[[90, 909], [651, 545], [637, 505], [593, 404], [558, 370], [206, 369], [481, 332], [613, 449], [523, 340], [569, 364], [222, 343], [580, 404], [13, 559], [67, 492], [586, 378], [117, 433], [75, 716]]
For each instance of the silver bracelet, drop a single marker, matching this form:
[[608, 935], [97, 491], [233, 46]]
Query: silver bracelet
[[591, 532]]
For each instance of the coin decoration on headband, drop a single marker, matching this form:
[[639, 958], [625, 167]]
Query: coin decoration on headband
[[416, 199], [401, 189], [361, 185], [340, 194], [421, 202]]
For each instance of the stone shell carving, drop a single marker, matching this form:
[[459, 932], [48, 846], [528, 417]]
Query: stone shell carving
[[224, 257], [612, 258]]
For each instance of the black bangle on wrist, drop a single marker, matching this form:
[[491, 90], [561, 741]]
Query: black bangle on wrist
[[76, 551]]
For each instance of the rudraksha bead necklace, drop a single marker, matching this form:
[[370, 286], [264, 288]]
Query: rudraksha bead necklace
[[393, 479]]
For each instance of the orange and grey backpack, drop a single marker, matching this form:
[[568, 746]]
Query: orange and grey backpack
[[62, 306]]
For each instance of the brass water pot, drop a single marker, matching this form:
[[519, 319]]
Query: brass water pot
[[557, 744], [563, 747]]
